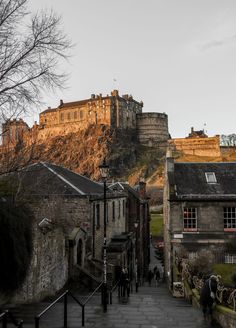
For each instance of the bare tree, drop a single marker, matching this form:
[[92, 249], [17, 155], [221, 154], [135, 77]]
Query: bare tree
[[30, 51]]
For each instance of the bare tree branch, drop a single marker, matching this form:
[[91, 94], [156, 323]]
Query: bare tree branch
[[29, 56]]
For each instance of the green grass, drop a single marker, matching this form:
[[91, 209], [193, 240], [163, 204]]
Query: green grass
[[156, 225], [225, 270]]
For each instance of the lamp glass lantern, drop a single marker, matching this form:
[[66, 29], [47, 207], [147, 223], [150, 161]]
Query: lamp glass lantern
[[104, 169]]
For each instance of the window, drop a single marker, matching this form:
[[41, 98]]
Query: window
[[119, 209], [210, 177], [97, 216], [75, 115], [68, 116], [62, 116], [81, 114], [123, 207], [230, 258], [107, 212], [190, 219], [113, 211], [229, 218]]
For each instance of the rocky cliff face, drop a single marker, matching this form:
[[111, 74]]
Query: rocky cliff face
[[84, 151]]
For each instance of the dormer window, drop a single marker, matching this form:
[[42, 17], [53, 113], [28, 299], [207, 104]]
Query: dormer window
[[210, 177]]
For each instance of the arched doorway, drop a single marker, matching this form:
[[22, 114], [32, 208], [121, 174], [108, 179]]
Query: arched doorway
[[79, 252]]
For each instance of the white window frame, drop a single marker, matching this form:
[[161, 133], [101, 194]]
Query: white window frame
[[189, 219], [229, 215]]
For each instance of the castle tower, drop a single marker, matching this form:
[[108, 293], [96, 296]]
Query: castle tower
[[152, 129], [13, 131]]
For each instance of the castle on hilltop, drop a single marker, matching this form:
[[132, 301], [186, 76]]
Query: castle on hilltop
[[118, 112]]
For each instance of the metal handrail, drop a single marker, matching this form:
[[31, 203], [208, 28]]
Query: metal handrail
[[113, 289], [64, 295], [5, 315]]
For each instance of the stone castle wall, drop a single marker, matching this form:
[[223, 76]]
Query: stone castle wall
[[152, 129], [207, 146], [118, 112]]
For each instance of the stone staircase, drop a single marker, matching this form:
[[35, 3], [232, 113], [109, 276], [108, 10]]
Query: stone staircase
[[151, 307]]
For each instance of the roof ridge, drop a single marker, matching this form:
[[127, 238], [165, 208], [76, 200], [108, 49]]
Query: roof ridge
[[62, 178]]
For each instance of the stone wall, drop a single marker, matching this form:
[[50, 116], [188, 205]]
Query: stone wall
[[152, 129], [50, 260], [49, 269], [209, 146]]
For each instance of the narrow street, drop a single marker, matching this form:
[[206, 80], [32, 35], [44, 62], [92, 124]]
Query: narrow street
[[151, 307]]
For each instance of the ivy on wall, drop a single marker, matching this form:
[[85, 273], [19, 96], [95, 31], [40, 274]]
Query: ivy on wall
[[15, 245]]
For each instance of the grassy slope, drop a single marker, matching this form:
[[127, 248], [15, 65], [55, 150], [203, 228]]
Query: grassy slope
[[225, 271], [156, 225]]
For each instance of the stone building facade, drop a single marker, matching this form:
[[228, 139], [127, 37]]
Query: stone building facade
[[197, 143], [138, 224], [68, 225], [199, 211], [13, 132]]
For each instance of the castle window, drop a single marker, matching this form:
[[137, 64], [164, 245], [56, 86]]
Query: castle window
[[68, 116], [82, 114], [210, 177], [62, 116], [75, 115]]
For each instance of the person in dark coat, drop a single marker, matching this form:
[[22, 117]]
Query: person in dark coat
[[207, 296], [150, 276]]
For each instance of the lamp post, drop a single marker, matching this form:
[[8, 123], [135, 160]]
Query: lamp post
[[136, 256], [104, 169]]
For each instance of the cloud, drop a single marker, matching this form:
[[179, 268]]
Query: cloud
[[218, 43]]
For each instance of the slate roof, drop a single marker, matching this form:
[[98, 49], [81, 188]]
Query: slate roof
[[190, 180], [47, 179]]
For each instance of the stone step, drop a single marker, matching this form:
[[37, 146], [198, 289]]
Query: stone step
[[149, 308]]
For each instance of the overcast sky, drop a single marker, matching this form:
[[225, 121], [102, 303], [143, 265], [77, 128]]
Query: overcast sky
[[177, 56]]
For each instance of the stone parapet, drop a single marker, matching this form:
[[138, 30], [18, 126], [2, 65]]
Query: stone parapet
[[209, 146]]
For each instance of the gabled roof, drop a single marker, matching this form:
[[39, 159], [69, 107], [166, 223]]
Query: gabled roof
[[123, 187], [191, 183], [48, 179]]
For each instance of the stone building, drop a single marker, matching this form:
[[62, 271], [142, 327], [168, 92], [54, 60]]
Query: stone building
[[137, 212], [115, 111], [67, 225], [152, 129], [197, 143], [199, 210], [13, 132]]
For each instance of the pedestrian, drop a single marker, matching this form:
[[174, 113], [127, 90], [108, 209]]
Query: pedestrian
[[157, 277], [207, 296], [150, 276], [154, 270], [124, 281]]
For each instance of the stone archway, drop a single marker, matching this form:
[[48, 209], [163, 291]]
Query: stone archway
[[80, 252]]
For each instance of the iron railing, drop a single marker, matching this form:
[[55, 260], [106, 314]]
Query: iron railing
[[64, 296], [6, 316]]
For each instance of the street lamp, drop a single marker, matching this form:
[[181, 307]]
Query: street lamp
[[136, 256], [104, 170]]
